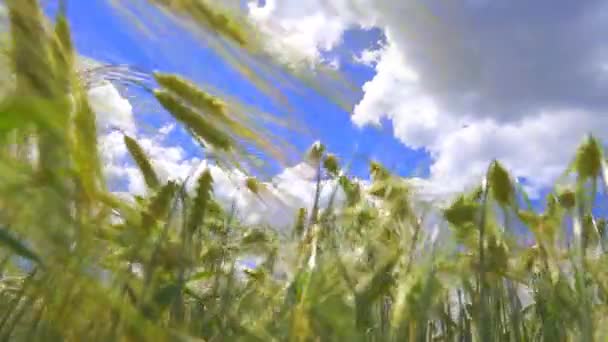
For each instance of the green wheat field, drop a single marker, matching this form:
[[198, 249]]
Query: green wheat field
[[80, 263]]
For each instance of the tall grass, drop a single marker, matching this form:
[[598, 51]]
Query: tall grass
[[78, 263]]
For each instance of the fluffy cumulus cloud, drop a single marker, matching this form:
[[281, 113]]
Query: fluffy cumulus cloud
[[276, 204], [301, 33], [473, 80], [113, 111]]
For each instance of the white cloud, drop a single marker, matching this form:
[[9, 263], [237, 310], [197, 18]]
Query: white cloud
[[470, 81], [166, 129], [369, 57], [113, 111], [298, 38], [334, 63]]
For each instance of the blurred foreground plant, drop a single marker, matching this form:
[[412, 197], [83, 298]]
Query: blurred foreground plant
[[79, 263]]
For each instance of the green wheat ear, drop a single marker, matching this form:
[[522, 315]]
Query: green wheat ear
[[253, 185], [588, 162], [462, 211], [191, 94], [142, 162], [220, 22], [300, 222], [315, 153], [207, 16], [378, 171], [30, 48], [351, 189], [159, 205], [331, 164], [200, 127], [84, 128], [204, 188], [63, 53], [567, 198], [500, 184], [85, 144], [530, 218], [210, 107]]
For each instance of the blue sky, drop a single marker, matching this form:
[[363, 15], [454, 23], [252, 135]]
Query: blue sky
[[103, 34]]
